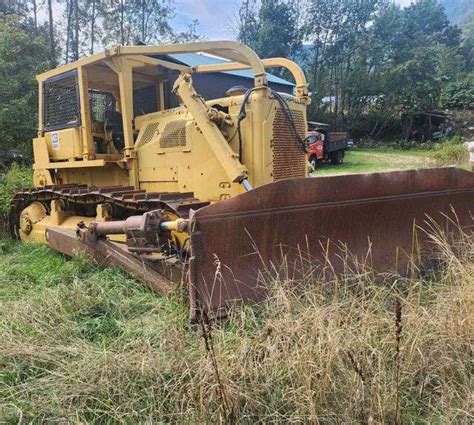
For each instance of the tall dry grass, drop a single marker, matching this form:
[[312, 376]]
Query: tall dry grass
[[86, 345]]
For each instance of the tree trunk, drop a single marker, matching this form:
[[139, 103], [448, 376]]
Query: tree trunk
[[92, 28], [336, 95], [408, 129], [68, 28], [122, 36], [35, 15], [76, 30], [143, 22], [52, 44]]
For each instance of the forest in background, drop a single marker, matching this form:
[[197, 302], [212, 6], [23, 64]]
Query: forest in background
[[372, 65]]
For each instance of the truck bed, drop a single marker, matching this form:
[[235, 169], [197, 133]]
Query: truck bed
[[336, 141]]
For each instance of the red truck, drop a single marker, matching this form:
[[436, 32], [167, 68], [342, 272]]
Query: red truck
[[324, 145]]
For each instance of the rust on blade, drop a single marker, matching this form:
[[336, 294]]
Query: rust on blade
[[234, 240]]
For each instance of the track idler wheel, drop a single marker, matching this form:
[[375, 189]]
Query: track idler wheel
[[32, 214]]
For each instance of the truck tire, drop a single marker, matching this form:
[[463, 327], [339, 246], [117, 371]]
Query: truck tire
[[313, 160], [337, 157]]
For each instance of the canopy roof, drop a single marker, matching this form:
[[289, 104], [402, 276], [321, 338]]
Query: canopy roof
[[196, 59]]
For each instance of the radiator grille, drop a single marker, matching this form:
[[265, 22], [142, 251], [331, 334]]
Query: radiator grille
[[288, 156], [174, 135]]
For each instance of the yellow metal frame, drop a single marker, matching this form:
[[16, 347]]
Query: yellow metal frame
[[125, 62], [296, 71], [231, 50]]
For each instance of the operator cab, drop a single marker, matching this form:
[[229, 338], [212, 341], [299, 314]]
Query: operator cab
[[314, 137], [82, 109]]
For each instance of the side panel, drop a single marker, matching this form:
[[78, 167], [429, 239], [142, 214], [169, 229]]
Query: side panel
[[173, 156], [109, 175], [64, 144]]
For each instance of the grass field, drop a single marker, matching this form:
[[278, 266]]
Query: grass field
[[89, 345], [373, 160], [83, 344]]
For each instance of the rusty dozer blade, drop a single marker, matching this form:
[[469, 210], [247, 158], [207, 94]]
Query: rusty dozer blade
[[236, 240]]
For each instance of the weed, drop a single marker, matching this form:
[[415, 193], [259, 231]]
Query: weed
[[398, 337], [450, 154], [15, 178], [83, 344]]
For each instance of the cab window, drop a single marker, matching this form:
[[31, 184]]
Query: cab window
[[61, 102]]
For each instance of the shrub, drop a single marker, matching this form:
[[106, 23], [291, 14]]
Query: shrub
[[450, 153], [459, 94], [14, 179]]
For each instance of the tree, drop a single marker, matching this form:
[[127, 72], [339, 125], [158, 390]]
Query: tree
[[339, 61], [14, 7], [271, 32], [145, 21], [93, 18], [468, 43], [376, 62], [278, 32], [52, 43], [35, 13], [247, 25], [149, 20], [190, 35], [459, 94], [24, 53]]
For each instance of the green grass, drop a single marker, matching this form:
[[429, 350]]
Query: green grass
[[15, 178], [380, 159], [83, 344], [73, 337]]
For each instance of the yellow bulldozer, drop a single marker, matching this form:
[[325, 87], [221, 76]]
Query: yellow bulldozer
[[212, 193]]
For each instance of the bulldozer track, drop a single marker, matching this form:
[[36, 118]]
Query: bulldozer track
[[124, 200]]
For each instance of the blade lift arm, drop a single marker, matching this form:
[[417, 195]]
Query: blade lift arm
[[197, 107]]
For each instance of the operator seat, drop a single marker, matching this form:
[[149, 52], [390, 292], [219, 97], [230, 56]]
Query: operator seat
[[114, 123]]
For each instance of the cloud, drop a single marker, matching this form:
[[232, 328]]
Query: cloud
[[404, 2], [215, 17]]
